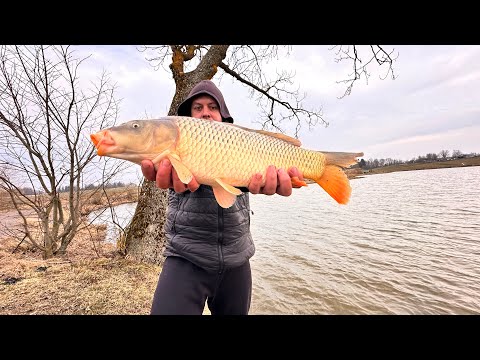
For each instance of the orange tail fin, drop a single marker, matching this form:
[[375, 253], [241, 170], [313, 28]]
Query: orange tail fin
[[335, 182]]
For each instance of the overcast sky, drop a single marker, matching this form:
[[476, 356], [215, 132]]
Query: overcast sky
[[433, 104]]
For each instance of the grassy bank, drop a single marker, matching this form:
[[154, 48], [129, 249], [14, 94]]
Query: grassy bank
[[92, 278]]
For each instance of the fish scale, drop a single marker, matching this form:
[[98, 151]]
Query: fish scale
[[218, 150]]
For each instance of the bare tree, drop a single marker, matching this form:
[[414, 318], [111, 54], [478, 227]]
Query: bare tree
[[45, 120], [443, 154], [278, 101], [456, 153]]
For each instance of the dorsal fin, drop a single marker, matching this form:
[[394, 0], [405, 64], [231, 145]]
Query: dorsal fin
[[289, 139]]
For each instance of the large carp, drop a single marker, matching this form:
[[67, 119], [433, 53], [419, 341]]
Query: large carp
[[222, 155]]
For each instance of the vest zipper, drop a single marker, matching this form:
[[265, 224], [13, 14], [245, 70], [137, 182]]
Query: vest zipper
[[175, 217], [220, 239]]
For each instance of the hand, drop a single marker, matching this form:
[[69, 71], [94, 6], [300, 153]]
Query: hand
[[276, 182], [166, 176]]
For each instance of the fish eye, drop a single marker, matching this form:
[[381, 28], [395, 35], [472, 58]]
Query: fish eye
[[135, 125]]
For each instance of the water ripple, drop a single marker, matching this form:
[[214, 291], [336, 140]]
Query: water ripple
[[407, 243]]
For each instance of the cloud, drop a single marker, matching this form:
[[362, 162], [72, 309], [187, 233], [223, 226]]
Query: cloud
[[433, 104], [143, 90], [463, 139]]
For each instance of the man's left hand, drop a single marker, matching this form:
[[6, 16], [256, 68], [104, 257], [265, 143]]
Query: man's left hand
[[276, 181]]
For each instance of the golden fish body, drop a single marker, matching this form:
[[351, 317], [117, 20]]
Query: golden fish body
[[213, 150], [222, 155]]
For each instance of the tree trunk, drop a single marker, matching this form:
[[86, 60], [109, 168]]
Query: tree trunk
[[145, 237]]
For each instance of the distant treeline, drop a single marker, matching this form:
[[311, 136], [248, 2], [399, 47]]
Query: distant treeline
[[107, 186], [66, 188], [430, 157]]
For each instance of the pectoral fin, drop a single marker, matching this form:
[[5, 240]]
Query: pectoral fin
[[156, 160], [184, 174]]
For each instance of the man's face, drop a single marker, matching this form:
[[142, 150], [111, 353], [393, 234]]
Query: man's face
[[205, 107]]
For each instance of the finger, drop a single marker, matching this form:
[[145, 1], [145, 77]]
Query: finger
[[255, 184], [178, 185], [164, 174], [296, 178], [193, 185], [294, 172], [284, 183], [148, 170], [270, 186]]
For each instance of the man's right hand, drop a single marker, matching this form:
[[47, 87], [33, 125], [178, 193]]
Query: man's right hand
[[166, 176]]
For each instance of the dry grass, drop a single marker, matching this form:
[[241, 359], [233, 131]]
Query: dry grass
[[5, 202], [93, 278], [114, 196], [91, 200]]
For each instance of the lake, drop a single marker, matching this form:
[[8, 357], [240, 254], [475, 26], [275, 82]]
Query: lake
[[407, 243]]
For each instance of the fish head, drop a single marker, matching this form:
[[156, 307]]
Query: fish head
[[136, 140]]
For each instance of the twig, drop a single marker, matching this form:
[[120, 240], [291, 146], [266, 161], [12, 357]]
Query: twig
[[20, 243]]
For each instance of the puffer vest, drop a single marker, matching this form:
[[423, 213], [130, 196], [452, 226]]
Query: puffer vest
[[201, 231]]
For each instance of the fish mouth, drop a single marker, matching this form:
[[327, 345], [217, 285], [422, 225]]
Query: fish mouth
[[103, 141]]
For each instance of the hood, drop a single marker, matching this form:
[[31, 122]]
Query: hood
[[209, 88]]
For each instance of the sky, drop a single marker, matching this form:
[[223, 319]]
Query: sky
[[433, 104]]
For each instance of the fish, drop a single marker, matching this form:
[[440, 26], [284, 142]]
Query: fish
[[224, 156]]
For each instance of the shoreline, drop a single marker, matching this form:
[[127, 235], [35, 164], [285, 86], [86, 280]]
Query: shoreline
[[357, 172], [465, 162]]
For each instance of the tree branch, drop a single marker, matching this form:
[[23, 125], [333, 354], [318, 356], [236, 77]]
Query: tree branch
[[377, 53]]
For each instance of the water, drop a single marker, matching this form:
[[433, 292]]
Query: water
[[121, 213], [407, 243]]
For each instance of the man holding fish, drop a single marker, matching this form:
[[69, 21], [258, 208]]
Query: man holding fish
[[209, 166], [208, 246]]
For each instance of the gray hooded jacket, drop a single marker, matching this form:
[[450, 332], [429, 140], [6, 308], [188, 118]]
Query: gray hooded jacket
[[197, 228]]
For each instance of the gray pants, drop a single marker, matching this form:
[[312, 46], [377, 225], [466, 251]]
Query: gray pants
[[183, 288]]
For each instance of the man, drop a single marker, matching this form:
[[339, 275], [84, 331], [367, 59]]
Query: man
[[208, 247]]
